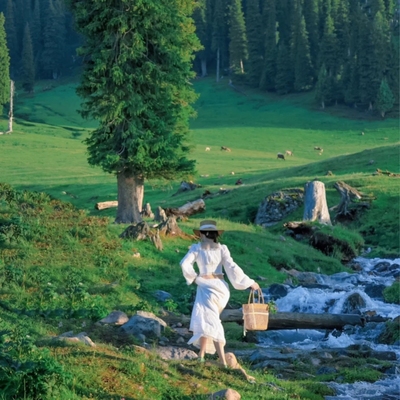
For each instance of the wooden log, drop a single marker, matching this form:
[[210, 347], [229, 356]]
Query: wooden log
[[190, 208], [287, 320], [106, 204]]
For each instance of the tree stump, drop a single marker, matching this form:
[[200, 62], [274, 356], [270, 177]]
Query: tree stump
[[142, 231], [160, 215], [170, 228], [146, 212], [315, 206]]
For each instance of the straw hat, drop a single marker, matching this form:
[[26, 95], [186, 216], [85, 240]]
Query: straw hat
[[208, 225]]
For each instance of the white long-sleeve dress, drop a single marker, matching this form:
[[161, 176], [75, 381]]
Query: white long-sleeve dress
[[212, 294]]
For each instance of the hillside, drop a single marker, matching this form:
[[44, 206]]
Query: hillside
[[63, 266]]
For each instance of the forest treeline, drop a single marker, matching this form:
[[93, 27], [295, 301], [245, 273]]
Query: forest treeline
[[347, 50], [41, 39]]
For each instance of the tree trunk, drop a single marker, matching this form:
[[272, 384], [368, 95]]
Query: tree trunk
[[315, 206], [190, 208], [203, 67], [11, 112], [287, 320], [218, 65], [130, 198]]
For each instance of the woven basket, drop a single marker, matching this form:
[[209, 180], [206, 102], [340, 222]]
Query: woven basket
[[255, 315]]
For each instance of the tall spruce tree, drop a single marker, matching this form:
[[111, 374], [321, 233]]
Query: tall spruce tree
[[52, 58], [342, 30], [12, 38], [284, 75], [199, 17], [28, 65], [300, 51], [268, 75], [254, 42], [311, 18], [219, 43], [323, 89], [329, 48], [136, 84], [36, 28], [385, 99], [4, 66], [238, 52]]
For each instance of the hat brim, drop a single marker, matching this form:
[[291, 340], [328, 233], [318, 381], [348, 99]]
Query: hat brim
[[197, 231]]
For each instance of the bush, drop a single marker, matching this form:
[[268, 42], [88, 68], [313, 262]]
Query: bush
[[392, 293], [27, 371]]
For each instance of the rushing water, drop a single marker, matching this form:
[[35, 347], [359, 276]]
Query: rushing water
[[330, 296]]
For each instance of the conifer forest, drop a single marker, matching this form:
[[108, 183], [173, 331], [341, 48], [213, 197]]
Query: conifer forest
[[347, 51]]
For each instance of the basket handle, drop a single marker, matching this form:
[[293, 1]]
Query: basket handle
[[252, 296]]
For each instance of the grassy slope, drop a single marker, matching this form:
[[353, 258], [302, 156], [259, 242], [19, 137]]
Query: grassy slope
[[51, 157]]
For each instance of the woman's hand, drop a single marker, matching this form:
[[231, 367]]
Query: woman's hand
[[255, 286]]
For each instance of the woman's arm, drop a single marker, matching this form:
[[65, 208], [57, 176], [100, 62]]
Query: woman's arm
[[187, 263], [235, 274]]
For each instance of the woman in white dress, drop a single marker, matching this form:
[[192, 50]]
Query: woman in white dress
[[212, 259]]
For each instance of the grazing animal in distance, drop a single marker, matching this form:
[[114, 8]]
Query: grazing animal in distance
[[280, 155], [288, 153], [318, 148], [208, 148], [225, 148], [239, 182]]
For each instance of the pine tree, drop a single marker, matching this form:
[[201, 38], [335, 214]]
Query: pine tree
[[323, 89], [284, 19], [300, 52], [52, 59], [284, 75], [342, 30], [385, 99], [373, 56], [199, 17], [329, 50], [28, 66], [311, 17], [12, 37], [36, 28], [268, 75], [255, 43], [238, 52], [219, 43], [136, 84], [4, 66]]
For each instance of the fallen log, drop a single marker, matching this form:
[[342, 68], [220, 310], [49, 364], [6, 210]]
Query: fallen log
[[190, 208], [106, 204], [287, 320]]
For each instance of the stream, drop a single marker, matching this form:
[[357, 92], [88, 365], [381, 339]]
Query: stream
[[333, 294]]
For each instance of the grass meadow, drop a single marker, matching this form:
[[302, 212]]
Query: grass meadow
[[63, 266]]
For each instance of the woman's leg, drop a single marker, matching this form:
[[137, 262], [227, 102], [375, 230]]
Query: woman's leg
[[221, 352], [203, 344]]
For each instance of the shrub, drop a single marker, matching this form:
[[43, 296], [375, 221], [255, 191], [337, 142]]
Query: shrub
[[392, 293], [27, 371]]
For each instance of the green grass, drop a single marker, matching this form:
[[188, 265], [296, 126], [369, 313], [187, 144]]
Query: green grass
[[63, 267]]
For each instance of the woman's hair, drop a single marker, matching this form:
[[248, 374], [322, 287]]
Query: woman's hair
[[213, 235]]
